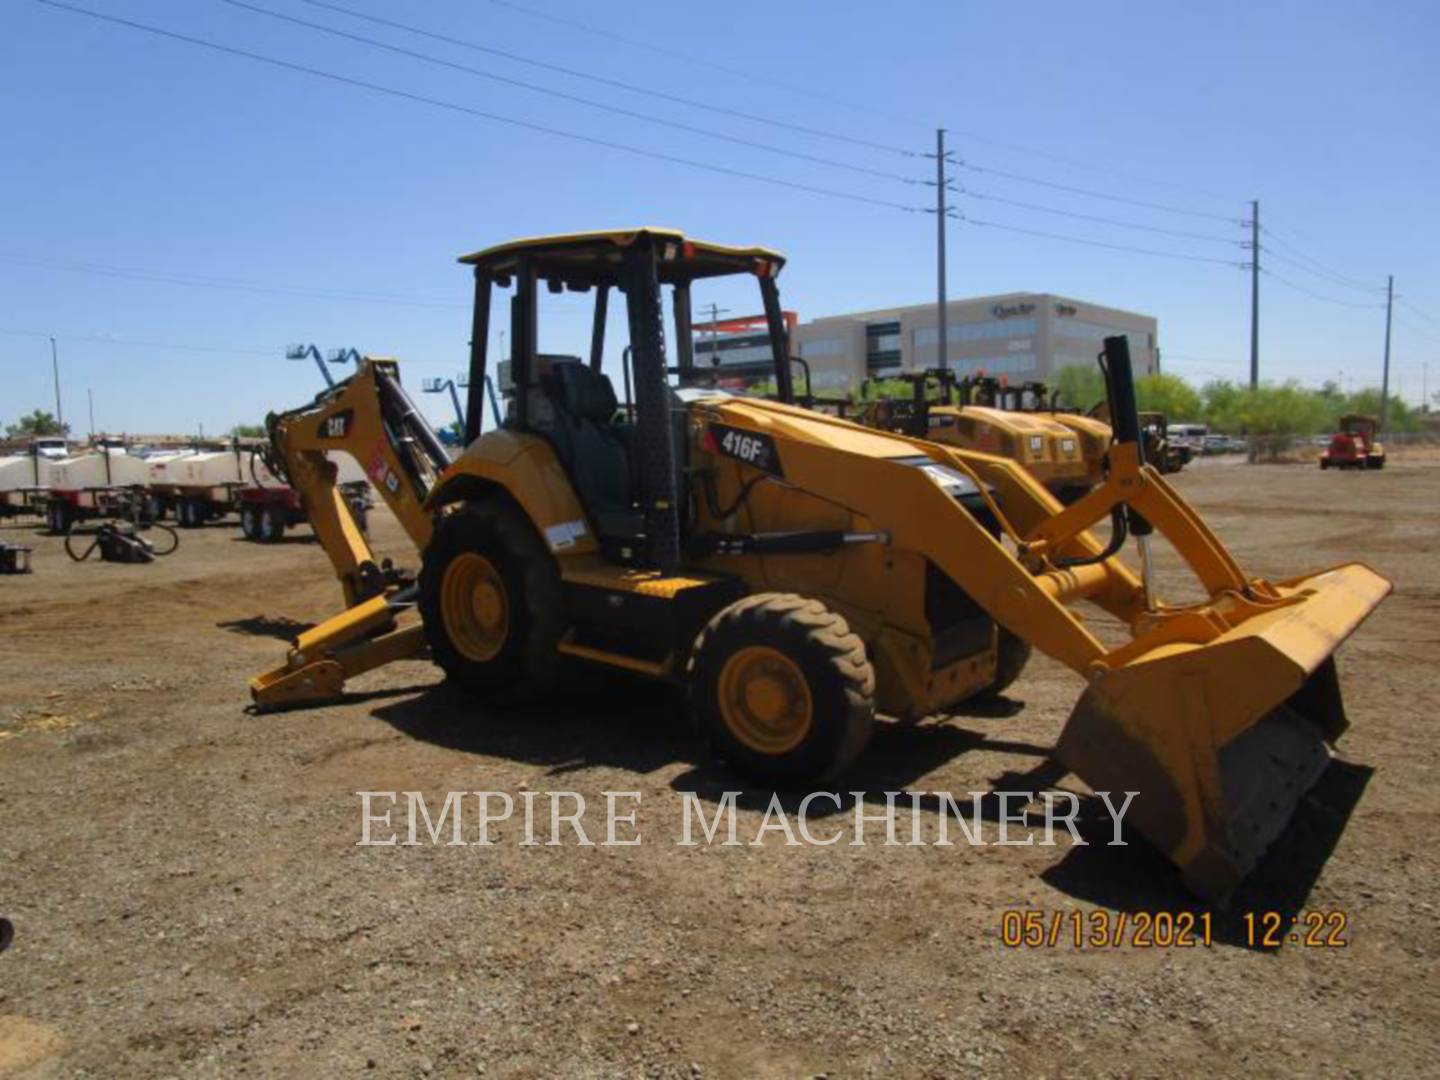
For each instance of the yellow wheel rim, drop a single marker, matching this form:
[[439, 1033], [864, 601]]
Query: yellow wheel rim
[[765, 700], [474, 607]]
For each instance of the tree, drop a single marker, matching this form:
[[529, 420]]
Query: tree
[[1078, 386], [248, 431], [1168, 394], [1221, 399], [38, 422]]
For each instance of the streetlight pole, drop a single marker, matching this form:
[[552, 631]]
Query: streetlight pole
[[55, 368], [1385, 377], [90, 393]]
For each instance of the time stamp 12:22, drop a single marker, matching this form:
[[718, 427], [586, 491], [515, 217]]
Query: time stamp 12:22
[[1030, 929]]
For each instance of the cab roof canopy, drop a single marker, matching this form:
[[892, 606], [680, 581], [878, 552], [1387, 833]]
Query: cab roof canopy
[[579, 260]]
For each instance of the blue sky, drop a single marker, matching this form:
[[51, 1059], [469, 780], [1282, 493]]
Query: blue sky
[[336, 212]]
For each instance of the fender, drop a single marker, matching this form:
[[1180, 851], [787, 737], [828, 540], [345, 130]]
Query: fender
[[526, 469]]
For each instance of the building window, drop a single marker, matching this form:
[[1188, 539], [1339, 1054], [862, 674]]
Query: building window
[[735, 349], [824, 347], [882, 345], [989, 330], [1013, 364]]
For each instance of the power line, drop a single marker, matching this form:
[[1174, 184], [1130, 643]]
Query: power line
[[575, 98], [1093, 194], [1320, 268], [619, 84], [697, 60], [970, 192], [1099, 243], [131, 343], [1333, 279], [498, 118], [1429, 335], [231, 284], [1417, 311], [1318, 296]]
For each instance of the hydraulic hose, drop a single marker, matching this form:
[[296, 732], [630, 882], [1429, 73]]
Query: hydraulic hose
[[1119, 532]]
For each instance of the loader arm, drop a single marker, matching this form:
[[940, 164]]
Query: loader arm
[[1219, 714]]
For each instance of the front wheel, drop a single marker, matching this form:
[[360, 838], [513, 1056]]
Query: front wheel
[[783, 688], [1012, 653], [491, 601]]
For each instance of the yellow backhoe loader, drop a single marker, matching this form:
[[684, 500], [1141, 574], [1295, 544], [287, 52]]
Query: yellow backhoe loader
[[976, 414], [799, 573]]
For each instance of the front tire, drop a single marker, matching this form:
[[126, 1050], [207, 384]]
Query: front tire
[[783, 689], [491, 602], [1012, 653]]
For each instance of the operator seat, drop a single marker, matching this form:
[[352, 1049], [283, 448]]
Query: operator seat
[[594, 450]]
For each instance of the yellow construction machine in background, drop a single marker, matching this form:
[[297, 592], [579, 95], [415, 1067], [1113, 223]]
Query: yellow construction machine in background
[[976, 413], [798, 573]]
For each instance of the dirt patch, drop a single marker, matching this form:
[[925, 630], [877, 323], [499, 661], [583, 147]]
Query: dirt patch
[[188, 896]]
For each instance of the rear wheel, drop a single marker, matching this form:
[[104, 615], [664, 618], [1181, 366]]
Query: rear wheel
[[491, 601], [783, 688], [59, 517], [250, 521], [272, 525]]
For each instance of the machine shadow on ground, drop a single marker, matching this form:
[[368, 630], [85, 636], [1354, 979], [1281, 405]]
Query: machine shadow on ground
[[608, 720], [1138, 878], [605, 719]]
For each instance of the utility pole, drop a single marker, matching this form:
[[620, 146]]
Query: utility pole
[[942, 322], [1385, 377], [91, 395], [55, 367], [715, 313], [1254, 293]]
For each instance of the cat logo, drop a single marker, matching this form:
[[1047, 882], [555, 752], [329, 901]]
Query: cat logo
[[337, 426]]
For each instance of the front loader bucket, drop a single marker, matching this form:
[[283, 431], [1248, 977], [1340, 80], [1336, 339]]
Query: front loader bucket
[[1220, 741]]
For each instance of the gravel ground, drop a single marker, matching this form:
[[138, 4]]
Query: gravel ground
[[189, 898]]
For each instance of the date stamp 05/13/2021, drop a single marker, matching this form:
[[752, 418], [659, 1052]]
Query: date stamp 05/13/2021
[[1037, 929]]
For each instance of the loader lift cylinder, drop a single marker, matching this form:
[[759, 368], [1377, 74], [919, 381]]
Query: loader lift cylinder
[[1125, 416], [1120, 387]]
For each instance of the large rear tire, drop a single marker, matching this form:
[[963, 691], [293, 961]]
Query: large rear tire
[[783, 689], [491, 601]]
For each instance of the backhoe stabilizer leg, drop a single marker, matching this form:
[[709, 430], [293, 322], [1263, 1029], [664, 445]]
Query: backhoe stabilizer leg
[[357, 640]]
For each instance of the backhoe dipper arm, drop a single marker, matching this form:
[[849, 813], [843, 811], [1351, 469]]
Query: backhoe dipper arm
[[369, 417]]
